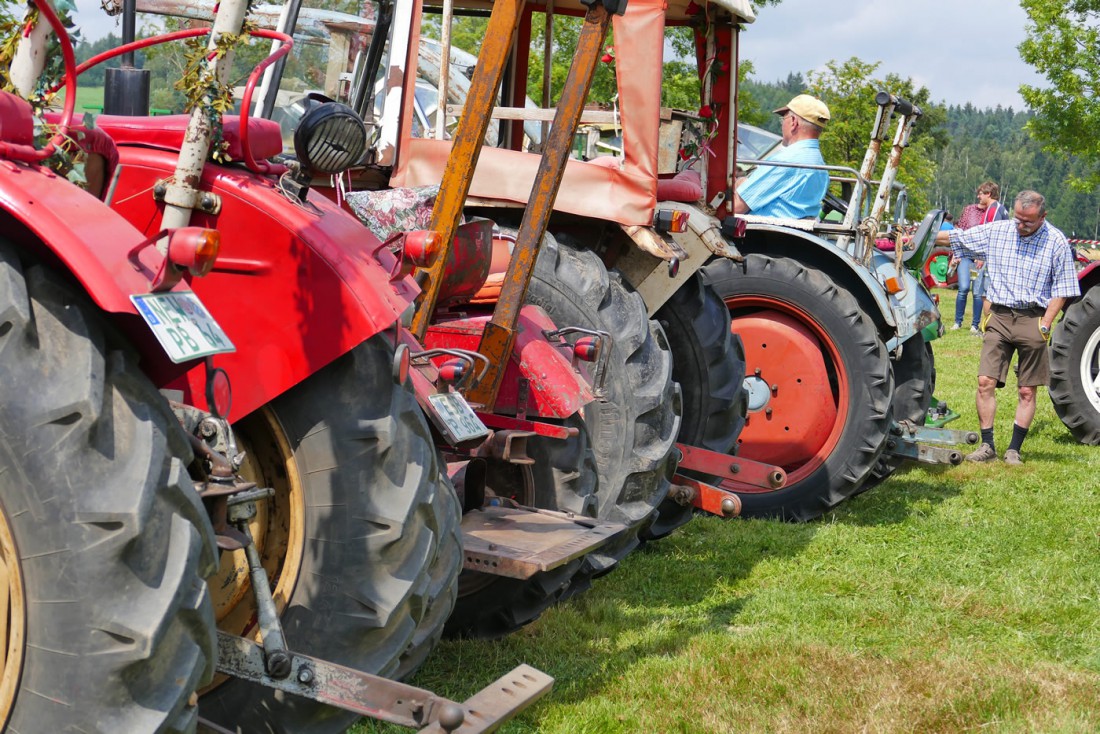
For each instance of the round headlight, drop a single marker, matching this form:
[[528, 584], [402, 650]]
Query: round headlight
[[330, 137]]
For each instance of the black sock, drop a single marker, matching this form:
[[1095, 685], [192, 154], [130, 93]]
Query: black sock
[[987, 437], [1018, 436]]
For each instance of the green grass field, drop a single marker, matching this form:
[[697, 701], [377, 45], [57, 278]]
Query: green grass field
[[945, 600], [88, 99]]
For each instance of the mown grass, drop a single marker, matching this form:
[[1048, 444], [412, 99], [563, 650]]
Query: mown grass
[[945, 600]]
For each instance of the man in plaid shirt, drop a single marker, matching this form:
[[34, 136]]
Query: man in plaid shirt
[[1030, 275]]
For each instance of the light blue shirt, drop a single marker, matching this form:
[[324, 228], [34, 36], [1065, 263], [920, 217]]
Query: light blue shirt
[[791, 193]]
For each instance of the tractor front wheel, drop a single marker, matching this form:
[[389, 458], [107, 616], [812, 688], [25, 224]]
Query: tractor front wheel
[[106, 622], [818, 381], [1075, 368], [709, 364], [360, 540], [633, 429], [914, 383]]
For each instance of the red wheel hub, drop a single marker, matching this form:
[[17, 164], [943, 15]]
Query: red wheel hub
[[797, 395]]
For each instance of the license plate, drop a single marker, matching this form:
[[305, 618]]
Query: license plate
[[182, 325], [458, 419]]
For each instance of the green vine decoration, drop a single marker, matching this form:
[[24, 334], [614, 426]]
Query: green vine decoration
[[201, 87], [68, 158]]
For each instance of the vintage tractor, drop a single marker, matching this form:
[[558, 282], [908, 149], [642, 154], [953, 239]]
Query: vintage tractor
[[120, 467], [627, 432], [829, 324], [1075, 359], [539, 453]]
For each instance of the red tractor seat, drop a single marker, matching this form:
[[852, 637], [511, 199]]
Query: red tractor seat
[[166, 132]]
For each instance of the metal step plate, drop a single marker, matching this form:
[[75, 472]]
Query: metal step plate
[[518, 543]]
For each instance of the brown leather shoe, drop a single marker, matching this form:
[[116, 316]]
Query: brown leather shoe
[[1012, 458], [984, 452]]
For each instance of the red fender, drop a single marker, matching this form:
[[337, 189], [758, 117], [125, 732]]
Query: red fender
[[556, 390], [1089, 276], [295, 286], [88, 238]]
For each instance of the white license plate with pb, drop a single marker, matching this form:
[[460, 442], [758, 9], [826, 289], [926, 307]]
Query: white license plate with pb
[[455, 418], [182, 325]]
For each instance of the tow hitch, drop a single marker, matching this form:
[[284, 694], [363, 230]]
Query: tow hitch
[[909, 441], [274, 665], [746, 474]]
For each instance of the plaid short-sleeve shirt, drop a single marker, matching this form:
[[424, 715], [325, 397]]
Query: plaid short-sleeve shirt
[[1022, 271]]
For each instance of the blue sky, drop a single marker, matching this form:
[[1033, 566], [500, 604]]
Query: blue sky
[[962, 50]]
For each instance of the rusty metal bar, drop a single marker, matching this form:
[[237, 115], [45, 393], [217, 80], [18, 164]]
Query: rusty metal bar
[[384, 699], [708, 498], [733, 468], [499, 336], [465, 149]]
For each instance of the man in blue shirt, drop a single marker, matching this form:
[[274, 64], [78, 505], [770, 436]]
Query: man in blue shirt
[[781, 191], [1031, 273]]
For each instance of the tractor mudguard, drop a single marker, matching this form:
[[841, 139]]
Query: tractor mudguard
[[92, 241], [295, 285], [1089, 276], [912, 305], [763, 237], [555, 389]]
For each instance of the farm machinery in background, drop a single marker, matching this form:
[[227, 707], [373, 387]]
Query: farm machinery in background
[[829, 333], [1075, 355]]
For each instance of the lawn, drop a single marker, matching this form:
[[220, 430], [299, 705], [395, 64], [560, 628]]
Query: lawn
[[945, 600]]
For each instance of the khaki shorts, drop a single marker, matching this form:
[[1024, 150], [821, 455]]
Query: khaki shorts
[[1009, 331]]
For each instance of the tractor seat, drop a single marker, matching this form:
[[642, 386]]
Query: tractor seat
[[166, 132], [16, 120]]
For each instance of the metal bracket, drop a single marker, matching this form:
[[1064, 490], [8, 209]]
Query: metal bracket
[[519, 542], [383, 699], [603, 354], [734, 469], [908, 440], [178, 195], [705, 497]]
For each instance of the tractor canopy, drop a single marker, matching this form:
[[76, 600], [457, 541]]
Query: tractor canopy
[[622, 188]]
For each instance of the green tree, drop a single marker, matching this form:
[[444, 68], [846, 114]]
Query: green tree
[[849, 89], [1063, 44]]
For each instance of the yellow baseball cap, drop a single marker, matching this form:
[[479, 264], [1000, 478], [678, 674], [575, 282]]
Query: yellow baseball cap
[[808, 108]]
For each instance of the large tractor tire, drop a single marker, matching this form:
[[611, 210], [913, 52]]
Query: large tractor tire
[[819, 383], [360, 542], [634, 429], [914, 383], [562, 477], [1075, 368], [107, 624], [709, 364]]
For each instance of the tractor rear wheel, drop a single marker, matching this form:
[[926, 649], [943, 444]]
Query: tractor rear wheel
[[1075, 368], [360, 541], [634, 429], [107, 622], [819, 383], [914, 383], [709, 364]]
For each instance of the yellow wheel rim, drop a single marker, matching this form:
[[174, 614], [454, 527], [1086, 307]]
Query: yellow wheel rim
[[13, 617], [278, 529]]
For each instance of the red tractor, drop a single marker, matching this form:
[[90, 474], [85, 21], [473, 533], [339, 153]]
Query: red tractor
[[622, 420], [126, 352], [829, 371]]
